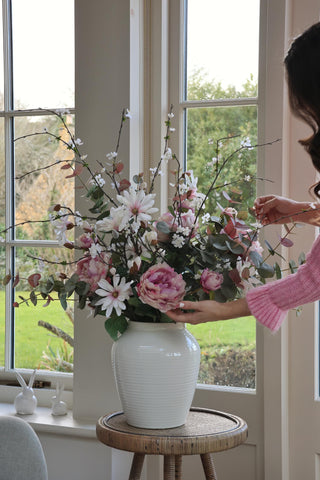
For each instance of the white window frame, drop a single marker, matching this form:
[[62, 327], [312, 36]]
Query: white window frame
[[8, 115]]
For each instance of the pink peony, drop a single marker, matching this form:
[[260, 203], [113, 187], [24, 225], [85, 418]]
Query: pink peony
[[85, 241], [210, 280], [161, 287], [92, 270]]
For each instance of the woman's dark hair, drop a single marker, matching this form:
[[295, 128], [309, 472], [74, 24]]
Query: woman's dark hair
[[302, 64]]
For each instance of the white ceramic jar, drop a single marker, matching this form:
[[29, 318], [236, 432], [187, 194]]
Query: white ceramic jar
[[156, 367]]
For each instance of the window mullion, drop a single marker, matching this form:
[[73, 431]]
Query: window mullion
[[9, 163]]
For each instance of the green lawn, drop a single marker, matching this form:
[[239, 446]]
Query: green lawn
[[31, 339], [239, 332]]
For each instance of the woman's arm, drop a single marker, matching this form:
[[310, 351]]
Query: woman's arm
[[275, 209], [209, 311]]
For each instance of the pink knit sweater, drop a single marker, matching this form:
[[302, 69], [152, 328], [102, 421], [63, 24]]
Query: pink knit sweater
[[270, 303]]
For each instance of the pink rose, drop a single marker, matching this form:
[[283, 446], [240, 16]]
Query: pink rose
[[161, 287], [210, 280], [91, 270]]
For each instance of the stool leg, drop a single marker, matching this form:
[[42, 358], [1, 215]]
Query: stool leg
[[136, 467], [169, 467], [208, 466], [178, 465]]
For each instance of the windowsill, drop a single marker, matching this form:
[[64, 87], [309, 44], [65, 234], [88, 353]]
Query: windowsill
[[43, 422]]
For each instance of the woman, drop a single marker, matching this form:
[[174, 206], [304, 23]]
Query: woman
[[270, 303]]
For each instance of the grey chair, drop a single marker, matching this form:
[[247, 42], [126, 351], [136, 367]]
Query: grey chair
[[21, 454]]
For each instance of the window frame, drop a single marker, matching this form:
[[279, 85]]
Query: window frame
[[9, 114]]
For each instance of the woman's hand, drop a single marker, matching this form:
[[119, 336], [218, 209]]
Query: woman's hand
[[275, 209], [209, 311]]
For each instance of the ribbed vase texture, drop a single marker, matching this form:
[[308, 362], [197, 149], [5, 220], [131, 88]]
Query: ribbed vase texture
[[156, 367]]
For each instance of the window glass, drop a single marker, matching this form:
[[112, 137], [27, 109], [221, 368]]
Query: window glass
[[221, 63], [43, 332], [43, 53], [2, 305], [45, 187], [222, 45]]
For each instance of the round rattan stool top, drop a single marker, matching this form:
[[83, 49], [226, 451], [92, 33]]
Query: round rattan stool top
[[206, 431]]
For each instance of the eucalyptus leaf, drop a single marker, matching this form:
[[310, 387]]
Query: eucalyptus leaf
[[33, 298], [163, 227], [265, 270]]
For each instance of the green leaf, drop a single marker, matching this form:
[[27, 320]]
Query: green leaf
[[234, 247], [63, 301], [293, 267], [116, 326], [277, 269], [265, 270], [218, 241], [82, 288], [33, 298], [163, 227], [302, 258], [82, 302], [256, 258], [269, 247]]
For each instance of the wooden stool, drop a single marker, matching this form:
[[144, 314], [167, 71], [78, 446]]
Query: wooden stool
[[205, 432]]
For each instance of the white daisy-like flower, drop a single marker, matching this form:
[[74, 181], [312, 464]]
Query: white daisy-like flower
[[138, 205], [113, 294]]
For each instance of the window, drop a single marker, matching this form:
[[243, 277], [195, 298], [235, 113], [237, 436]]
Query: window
[[219, 103], [37, 80]]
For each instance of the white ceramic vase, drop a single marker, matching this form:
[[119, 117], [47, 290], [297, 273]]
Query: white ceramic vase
[[156, 367]]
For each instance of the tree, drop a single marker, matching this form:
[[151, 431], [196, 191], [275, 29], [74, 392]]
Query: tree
[[205, 154]]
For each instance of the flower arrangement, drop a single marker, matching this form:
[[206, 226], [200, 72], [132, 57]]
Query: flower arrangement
[[135, 263]]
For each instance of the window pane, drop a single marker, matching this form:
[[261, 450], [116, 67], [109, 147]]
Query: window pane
[[2, 306], [2, 177], [1, 66], [43, 53], [36, 346], [222, 47], [228, 348], [37, 192]]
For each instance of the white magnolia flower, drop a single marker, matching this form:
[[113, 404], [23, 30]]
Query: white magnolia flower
[[78, 219], [167, 156], [113, 294], [95, 249], [112, 222], [138, 206], [60, 225]]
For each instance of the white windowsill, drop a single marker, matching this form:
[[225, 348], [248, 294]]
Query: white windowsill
[[43, 422]]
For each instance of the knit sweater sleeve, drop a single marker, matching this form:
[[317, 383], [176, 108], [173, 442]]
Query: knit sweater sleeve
[[271, 302]]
